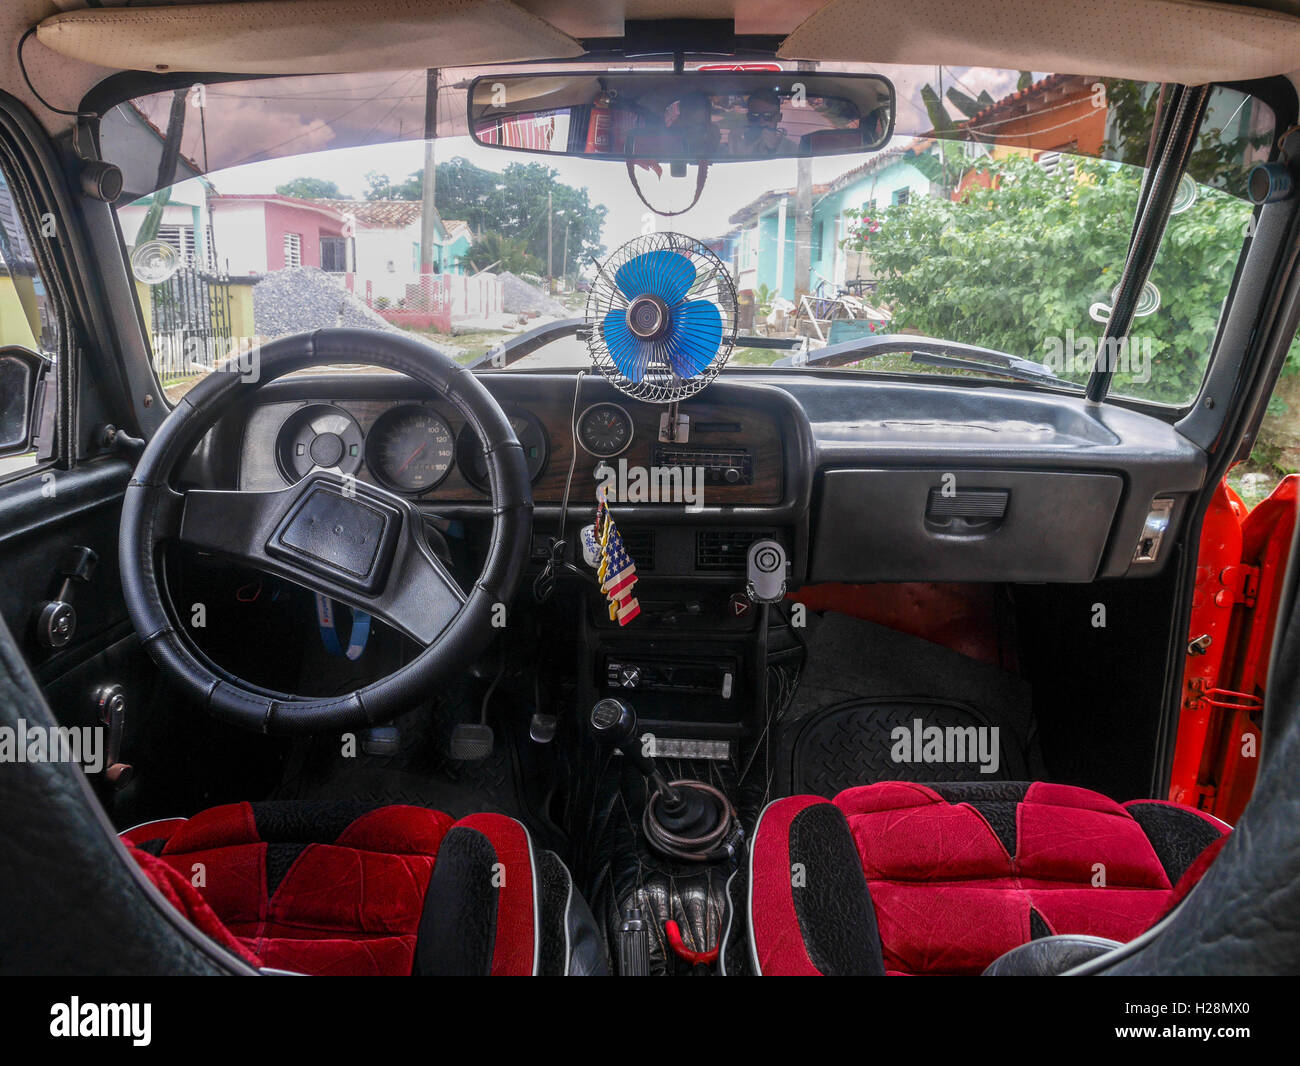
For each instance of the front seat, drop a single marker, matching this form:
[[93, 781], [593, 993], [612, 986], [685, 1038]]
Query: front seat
[[905, 878], [349, 889]]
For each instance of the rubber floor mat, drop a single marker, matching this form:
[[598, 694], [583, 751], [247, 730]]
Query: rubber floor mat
[[874, 704], [859, 742]]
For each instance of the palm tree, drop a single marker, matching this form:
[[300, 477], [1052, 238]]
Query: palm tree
[[496, 251]]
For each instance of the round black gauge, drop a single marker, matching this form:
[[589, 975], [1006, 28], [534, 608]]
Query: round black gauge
[[532, 436], [605, 430], [410, 449], [318, 437]]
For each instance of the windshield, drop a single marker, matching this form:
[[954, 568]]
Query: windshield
[[999, 215]]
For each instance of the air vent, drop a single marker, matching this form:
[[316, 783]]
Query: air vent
[[640, 544], [724, 550]]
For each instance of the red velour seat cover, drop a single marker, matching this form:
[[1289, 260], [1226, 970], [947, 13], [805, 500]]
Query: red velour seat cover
[[323, 889], [958, 874]]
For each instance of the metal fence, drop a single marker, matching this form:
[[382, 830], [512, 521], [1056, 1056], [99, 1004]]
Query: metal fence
[[191, 316]]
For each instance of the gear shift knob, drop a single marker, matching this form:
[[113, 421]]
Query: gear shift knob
[[613, 722]]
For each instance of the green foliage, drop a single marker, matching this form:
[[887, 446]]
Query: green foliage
[[1222, 157], [310, 189], [511, 203], [1019, 260], [498, 252]]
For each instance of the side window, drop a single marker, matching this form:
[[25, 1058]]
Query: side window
[[29, 345]]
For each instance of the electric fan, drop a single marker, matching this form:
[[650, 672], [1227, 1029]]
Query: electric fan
[[661, 317]]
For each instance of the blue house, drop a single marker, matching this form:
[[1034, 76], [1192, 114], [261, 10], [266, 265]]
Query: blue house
[[759, 258]]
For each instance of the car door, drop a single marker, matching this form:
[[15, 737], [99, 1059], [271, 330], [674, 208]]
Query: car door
[[62, 471], [1244, 550]]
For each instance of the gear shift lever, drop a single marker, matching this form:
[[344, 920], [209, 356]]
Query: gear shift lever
[[613, 723], [683, 819]]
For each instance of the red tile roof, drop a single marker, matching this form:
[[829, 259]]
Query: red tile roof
[[384, 214]]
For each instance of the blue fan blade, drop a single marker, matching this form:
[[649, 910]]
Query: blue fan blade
[[668, 275], [630, 354], [694, 338]]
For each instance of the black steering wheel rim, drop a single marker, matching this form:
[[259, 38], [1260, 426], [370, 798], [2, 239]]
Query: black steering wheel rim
[[154, 514]]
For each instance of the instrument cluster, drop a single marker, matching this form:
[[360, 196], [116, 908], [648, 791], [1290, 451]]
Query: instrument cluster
[[410, 448]]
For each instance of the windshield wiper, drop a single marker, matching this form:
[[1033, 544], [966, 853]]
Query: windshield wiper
[[511, 351], [931, 352]]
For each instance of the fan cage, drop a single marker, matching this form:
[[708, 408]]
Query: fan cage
[[661, 384]]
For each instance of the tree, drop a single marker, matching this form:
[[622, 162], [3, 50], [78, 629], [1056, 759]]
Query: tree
[[310, 189], [380, 187], [1017, 265], [1221, 157], [497, 252], [512, 203]]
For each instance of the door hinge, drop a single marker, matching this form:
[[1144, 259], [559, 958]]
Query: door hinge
[[1241, 582]]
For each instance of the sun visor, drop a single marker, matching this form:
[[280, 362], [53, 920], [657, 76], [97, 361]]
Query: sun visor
[[1145, 40], [306, 36]]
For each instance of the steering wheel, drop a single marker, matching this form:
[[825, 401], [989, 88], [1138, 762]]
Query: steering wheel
[[331, 534]]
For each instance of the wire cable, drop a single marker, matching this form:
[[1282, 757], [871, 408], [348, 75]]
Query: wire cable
[[708, 846], [544, 584], [22, 67]]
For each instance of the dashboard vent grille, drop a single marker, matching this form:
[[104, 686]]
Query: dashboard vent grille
[[724, 550], [640, 544]]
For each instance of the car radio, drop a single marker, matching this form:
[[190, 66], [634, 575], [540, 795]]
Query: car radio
[[706, 677]]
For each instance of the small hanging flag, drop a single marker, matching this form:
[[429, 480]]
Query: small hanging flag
[[616, 570]]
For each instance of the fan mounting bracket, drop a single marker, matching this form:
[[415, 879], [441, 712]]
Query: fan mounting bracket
[[674, 428]]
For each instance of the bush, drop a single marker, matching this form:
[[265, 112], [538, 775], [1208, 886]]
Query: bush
[[1016, 264]]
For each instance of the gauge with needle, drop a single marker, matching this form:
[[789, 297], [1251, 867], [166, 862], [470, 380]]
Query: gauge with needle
[[410, 449]]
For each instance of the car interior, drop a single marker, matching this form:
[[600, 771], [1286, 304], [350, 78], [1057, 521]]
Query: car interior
[[516, 487]]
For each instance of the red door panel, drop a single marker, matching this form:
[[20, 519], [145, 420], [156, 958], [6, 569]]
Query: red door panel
[[1239, 573]]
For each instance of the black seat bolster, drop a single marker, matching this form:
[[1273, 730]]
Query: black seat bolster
[[571, 943], [1049, 956], [832, 902], [1178, 835]]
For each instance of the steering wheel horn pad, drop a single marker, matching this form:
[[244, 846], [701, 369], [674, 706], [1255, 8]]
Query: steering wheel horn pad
[[346, 539]]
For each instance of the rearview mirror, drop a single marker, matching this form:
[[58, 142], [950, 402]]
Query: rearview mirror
[[692, 117], [20, 373]]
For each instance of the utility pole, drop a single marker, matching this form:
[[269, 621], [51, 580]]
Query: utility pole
[[803, 222], [549, 286], [428, 208], [564, 262]]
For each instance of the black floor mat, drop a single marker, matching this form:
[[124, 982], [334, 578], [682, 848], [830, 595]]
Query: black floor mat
[[421, 773], [874, 704], [858, 742]]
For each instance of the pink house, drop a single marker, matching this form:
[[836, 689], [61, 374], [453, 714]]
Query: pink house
[[257, 233]]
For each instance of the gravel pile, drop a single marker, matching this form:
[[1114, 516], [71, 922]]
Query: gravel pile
[[303, 298], [517, 295]]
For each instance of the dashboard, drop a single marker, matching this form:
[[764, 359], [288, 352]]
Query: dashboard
[[423, 448], [851, 474]]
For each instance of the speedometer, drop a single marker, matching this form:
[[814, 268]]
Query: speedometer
[[410, 449]]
